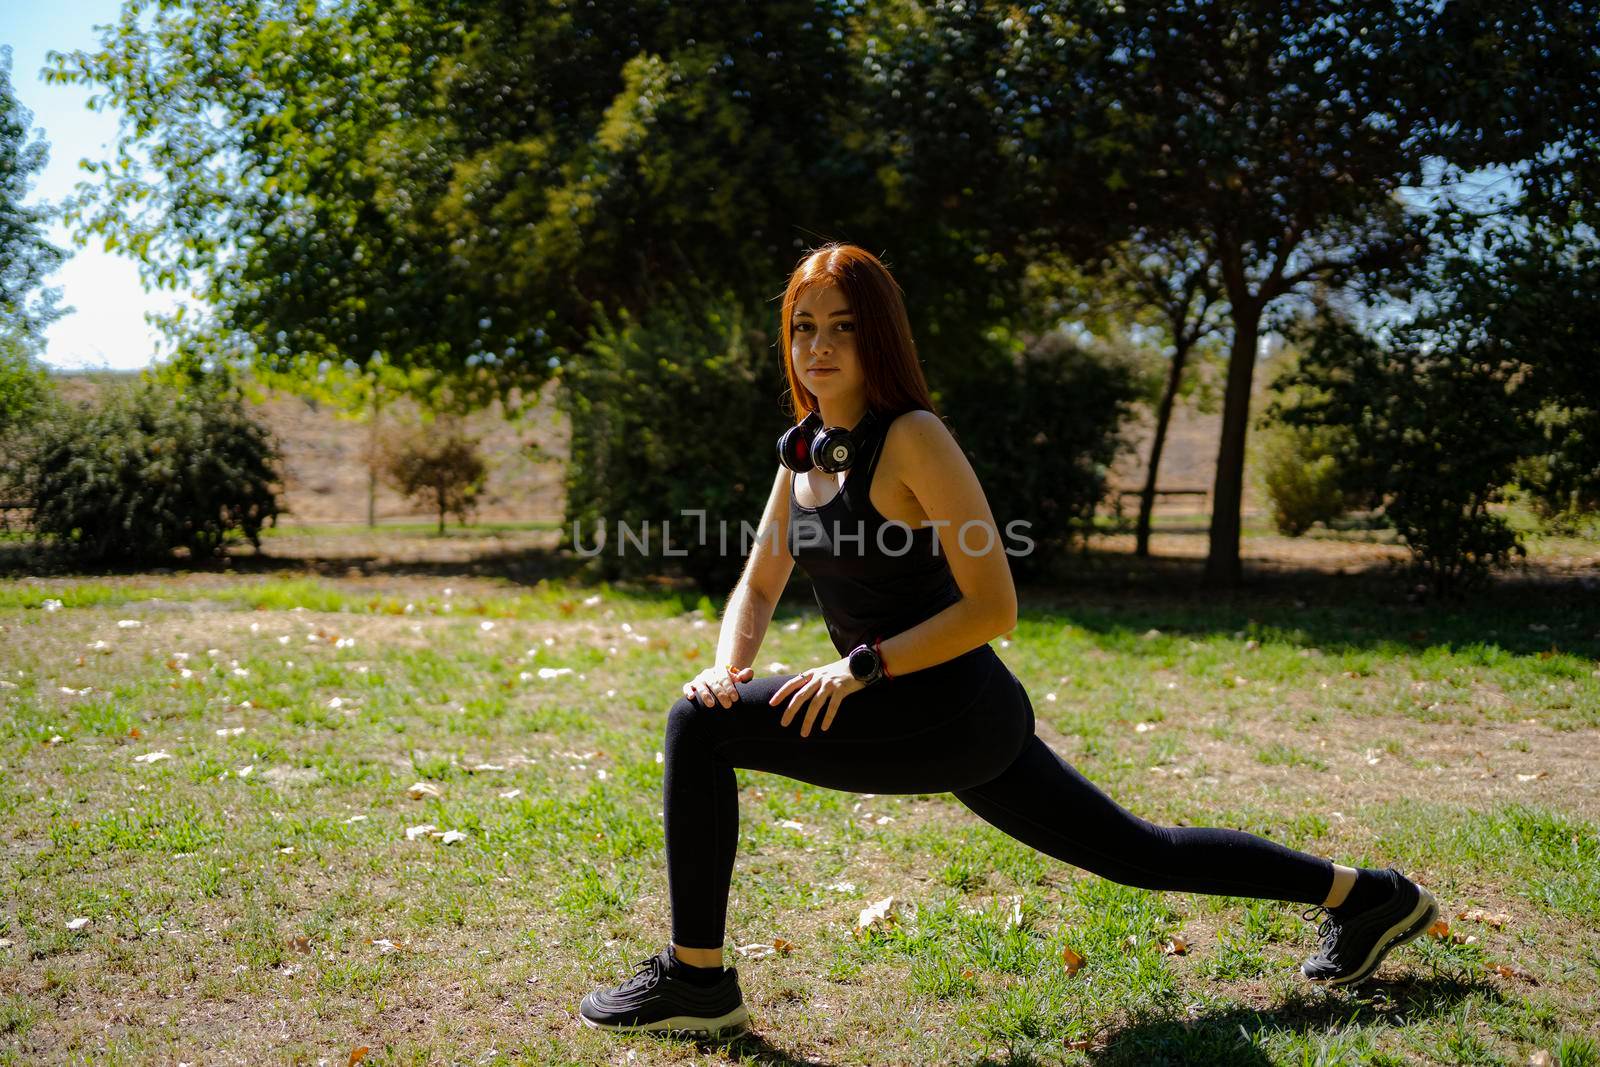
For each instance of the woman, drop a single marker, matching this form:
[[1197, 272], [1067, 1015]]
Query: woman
[[912, 579]]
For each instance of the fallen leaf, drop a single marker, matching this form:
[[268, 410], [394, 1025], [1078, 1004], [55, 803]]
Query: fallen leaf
[[755, 951], [1543, 1058], [418, 790], [357, 1055], [1174, 946], [1495, 919], [1073, 961], [1511, 970], [783, 945], [300, 943], [1440, 929], [878, 915], [1533, 777]]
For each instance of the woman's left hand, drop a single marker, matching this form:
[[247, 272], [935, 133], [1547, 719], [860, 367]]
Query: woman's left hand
[[824, 687]]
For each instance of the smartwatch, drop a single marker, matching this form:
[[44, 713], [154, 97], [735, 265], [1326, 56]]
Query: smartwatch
[[866, 665]]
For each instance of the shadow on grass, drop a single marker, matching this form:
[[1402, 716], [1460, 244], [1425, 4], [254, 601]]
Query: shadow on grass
[[1114, 595], [1228, 1036]]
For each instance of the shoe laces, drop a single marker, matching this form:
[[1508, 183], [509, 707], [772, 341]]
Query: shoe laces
[[1327, 931], [646, 974]]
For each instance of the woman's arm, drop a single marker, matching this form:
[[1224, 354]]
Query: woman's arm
[[937, 472], [766, 574]]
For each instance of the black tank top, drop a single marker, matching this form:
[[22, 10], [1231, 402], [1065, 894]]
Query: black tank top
[[889, 578]]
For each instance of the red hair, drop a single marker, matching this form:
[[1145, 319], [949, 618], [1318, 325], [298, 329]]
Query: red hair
[[884, 346]]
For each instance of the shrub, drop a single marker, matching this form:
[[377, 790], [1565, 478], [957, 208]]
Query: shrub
[[1041, 431], [1426, 428], [1299, 473], [149, 469], [673, 411], [445, 469]]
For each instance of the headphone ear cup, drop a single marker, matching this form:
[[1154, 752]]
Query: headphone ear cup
[[833, 450], [795, 445]]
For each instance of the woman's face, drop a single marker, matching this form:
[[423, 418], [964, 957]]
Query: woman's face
[[823, 346]]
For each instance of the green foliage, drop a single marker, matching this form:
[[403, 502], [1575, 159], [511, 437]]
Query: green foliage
[[1299, 473], [148, 470], [25, 256], [24, 385], [446, 469], [1042, 433], [1425, 428], [1298, 466], [664, 412]]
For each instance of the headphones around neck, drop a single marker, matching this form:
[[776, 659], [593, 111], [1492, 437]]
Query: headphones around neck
[[828, 448]]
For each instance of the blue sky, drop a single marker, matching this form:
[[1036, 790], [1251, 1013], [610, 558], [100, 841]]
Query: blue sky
[[108, 327]]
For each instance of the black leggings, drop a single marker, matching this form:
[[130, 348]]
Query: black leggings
[[965, 727]]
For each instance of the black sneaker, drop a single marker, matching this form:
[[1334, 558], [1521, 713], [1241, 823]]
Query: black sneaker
[[1352, 946], [655, 999]]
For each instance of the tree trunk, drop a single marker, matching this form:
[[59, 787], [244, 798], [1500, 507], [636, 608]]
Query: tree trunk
[[1147, 497], [1222, 564]]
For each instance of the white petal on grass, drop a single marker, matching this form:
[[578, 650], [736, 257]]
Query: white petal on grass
[[247, 770], [100, 646], [756, 951], [283, 639], [511, 794], [234, 731], [356, 818], [450, 837], [776, 667], [591, 601], [790, 824], [153, 757], [383, 944], [129, 624], [414, 832], [553, 672], [485, 626], [52, 605], [77, 924], [336, 702], [419, 790]]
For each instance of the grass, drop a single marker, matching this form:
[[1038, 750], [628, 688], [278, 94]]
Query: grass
[[254, 896]]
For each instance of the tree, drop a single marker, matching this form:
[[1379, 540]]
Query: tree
[[1277, 137], [26, 257], [446, 469]]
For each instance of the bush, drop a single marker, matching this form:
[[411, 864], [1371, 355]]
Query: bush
[[445, 469], [1042, 430], [150, 469], [1299, 473], [672, 412], [1426, 427]]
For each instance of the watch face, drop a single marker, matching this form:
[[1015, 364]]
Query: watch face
[[863, 661]]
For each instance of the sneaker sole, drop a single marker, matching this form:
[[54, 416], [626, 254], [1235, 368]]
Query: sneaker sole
[[1422, 916], [734, 1022]]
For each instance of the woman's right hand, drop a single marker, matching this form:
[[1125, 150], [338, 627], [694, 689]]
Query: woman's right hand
[[714, 685]]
